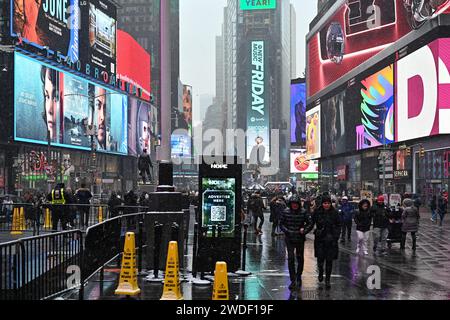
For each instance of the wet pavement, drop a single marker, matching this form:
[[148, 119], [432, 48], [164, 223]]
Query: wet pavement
[[404, 275]]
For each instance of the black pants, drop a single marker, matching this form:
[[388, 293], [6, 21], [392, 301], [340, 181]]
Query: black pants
[[328, 266], [274, 226], [414, 238], [58, 215], [146, 173], [299, 253], [255, 218], [346, 228], [84, 216]]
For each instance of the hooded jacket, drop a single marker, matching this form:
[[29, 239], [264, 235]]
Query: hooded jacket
[[363, 218], [380, 215], [410, 216], [346, 211], [291, 221]]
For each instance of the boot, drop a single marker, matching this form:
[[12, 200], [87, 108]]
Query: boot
[[414, 244], [320, 273]]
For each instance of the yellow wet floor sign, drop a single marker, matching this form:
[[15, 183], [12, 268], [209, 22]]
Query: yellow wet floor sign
[[22, 219], [128, 285], [172, 287], [100, 214], [15, 227], [220, 288]]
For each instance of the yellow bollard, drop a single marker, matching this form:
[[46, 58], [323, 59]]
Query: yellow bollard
[[220, 288], [22, 220], [15, 227], [100, 214], [128, 285], [48, 219], [172, 287]]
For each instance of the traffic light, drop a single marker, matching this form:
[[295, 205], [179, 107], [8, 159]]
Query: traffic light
[[422, 152], [408, 151]]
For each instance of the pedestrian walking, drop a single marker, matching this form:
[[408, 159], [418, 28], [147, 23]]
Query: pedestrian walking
[[84, 196], [256, 207], [327, 232], [346, 212], [433, 208], [410, 222], [277, 206], [380, 216], [8, 208], [442, 208], [363, 221], [296, 223]]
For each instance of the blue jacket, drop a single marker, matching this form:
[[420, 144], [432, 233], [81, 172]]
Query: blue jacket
[[346, 212]]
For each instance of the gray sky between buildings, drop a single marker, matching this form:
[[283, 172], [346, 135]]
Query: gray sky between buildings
[[201, 22]]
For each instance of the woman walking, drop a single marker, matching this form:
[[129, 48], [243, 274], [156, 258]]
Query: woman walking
[[410, 220], [363, 220], [327, 232]]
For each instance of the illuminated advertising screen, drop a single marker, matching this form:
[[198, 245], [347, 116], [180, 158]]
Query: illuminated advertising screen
[[52, 24], [313, 133], [181, 145], [186, 121], [422, 92], [301, 164], [49, 100], [258, 109], [357, 31], [258, 4], [218, 204], [377, 110], [298, 111], [133, 64], [142, 121]]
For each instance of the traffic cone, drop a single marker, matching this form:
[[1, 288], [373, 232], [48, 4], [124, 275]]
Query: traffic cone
[[172, 287], [22, 219], [15, 227], [128, 285], [220, 288], [48, 219], [100, 214]]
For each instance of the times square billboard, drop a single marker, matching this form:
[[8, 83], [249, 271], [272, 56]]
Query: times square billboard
[[359, 29], [403, 101], [80, 34]]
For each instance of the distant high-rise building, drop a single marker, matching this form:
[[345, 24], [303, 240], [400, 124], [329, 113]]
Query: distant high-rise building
[[293, 43]]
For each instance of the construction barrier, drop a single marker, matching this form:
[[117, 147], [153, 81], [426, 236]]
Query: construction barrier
[[48, 219], [128, 273], [172, 286], [220, 288], [15, 227]]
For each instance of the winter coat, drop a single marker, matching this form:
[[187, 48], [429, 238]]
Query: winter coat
[[433, 203], [327, 232], [410, 217], [380, 215], [276, 209], [363, 218], [83, 195], [442, 205], [256, 205], [113, 203], [292, 221], [346, 212]]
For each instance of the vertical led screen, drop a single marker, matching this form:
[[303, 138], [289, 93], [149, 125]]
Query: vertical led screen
[[313, 133], [186, 121], [298, 111], [49, 100], [258, 108], [142, 124], [258, 4], [377, 110]]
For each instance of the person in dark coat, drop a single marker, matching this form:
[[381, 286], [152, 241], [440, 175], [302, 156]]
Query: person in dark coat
[[58, 199], [433, 208], [256, 207], [295, 222], [442, 208], [327, 232], [363, 220], [410, 220], [113, 204], [346, 214], [277, 206], [380, 215], [84, 197]]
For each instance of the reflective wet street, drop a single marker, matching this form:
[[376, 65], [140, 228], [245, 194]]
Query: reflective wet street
[[404, 275]]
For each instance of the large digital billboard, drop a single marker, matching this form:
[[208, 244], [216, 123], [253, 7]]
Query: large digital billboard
[[181, 145], [258, 106], [298, 111], [358, 30], [83, 31], [47, 99], [258, 4], [186, 121], [142, 124], [313, 128], [301, 164]]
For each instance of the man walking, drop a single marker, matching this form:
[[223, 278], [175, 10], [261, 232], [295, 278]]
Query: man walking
[[380, 214], [346, 214], [256, 206], [84, 196]]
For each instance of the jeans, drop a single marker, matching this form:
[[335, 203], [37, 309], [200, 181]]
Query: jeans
[[299, 251], [414, 238], [362, 240], [346, 228], [434, 214], [380, 236], [8, 215], [441, 216]]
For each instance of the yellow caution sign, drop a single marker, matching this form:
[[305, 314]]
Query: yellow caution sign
[[15, 227], [220, 288], [22, 219], [172, 286], [48, 219], [128, 285], [100, 214]]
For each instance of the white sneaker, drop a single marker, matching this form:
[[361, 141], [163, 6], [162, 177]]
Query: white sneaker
[[357, 250], [366, 253]]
